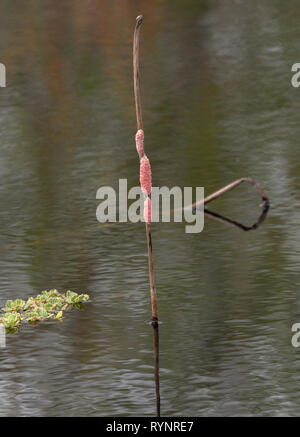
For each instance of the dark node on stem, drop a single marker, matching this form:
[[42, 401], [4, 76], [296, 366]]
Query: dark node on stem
[[154, 322]]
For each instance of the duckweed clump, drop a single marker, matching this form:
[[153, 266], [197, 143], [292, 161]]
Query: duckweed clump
[[47, 305]]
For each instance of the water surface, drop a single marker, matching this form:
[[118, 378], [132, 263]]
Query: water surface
[[217, 105]]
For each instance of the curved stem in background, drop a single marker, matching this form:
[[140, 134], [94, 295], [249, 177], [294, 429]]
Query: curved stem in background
[[229, 187]]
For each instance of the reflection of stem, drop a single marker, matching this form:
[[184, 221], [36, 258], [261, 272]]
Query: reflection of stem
[[236, 224], [156, 366], [138, 107]]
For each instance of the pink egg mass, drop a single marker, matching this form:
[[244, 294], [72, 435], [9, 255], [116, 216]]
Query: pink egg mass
[[139, 142], [147, 210], [145, 175]]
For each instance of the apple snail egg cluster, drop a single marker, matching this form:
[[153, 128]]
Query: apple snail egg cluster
[[145, 174]]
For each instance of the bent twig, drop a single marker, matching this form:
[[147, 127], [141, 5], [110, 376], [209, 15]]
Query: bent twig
[[229, 187]]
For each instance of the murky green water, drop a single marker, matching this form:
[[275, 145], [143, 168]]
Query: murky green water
[[218, 105]]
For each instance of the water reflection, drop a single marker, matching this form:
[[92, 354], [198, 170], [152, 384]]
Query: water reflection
[[228, 221], [155, 326], [218, 105]]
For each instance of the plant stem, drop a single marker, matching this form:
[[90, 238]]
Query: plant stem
[[139, 120], [138, 107], [136, 71], [156, 366]]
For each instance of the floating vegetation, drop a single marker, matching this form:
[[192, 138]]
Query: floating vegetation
[[47, 305]]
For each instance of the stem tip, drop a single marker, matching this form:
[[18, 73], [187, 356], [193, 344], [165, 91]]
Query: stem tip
[[139, 20]]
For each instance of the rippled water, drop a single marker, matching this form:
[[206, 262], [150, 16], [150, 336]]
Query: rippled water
[[218, 105]]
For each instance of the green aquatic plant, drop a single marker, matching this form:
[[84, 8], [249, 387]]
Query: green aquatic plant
[[46, 305]]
